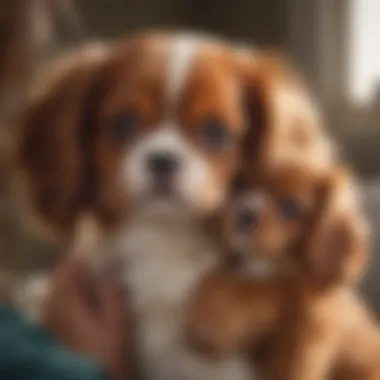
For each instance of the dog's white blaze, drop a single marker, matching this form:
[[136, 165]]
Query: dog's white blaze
[[182, 54], [167, 139]]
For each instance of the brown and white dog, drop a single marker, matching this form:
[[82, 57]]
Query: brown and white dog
[[145, 137]]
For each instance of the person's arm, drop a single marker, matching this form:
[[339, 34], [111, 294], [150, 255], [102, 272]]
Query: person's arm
[[79, 339], [29, 352]]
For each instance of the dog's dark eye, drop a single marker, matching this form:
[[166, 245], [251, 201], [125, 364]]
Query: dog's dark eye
[[215, 135], [124, 126], [290, 209]]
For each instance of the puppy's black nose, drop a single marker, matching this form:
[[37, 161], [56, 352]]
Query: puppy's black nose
[[162, 164], [246, 219]]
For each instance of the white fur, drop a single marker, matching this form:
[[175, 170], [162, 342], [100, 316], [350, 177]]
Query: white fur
[[165, 262], [193, 176], [182, 54]]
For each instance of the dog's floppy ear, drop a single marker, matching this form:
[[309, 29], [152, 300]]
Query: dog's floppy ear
[[336, 245], [283, 117], [54, 138]]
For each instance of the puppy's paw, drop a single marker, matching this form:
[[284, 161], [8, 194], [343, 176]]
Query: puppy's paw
[[204, 338], [218, 324]]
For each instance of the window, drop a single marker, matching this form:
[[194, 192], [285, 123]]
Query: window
[[364, 50]]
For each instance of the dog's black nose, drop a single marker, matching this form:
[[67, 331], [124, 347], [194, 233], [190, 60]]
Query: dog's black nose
[[163, 164], [246, 219]]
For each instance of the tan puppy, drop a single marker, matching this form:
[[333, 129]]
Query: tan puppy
[[298, 316]]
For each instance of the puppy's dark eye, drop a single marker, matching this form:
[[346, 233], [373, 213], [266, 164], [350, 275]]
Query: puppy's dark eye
[[215, 135], [290, 209], [124, 126]]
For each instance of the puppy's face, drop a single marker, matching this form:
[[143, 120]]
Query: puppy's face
[[267, 219], [304, 217]]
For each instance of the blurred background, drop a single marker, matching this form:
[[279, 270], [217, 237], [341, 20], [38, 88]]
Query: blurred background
[[333, 42]]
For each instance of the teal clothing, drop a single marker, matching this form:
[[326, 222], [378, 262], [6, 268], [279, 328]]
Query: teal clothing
[[27, 352]]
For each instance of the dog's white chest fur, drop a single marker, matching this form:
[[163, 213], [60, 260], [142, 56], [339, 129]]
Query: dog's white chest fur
[[165, 264]]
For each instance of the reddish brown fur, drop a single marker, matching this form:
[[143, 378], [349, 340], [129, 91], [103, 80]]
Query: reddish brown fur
[[64, 145], [307, 325], [50, 150], [274, 236], [230, 312], [293, 130], [329, 221], [287, 330]]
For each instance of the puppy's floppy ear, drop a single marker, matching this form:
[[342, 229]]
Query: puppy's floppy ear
[[336, 246], [55, 134], [283, 118]]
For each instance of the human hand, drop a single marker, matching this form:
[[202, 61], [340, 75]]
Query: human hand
[[90, 316]]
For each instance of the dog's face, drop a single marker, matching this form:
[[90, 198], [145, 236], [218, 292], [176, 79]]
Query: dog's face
[[308, 218], [266, 219], [172, 122], [158, 123]]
